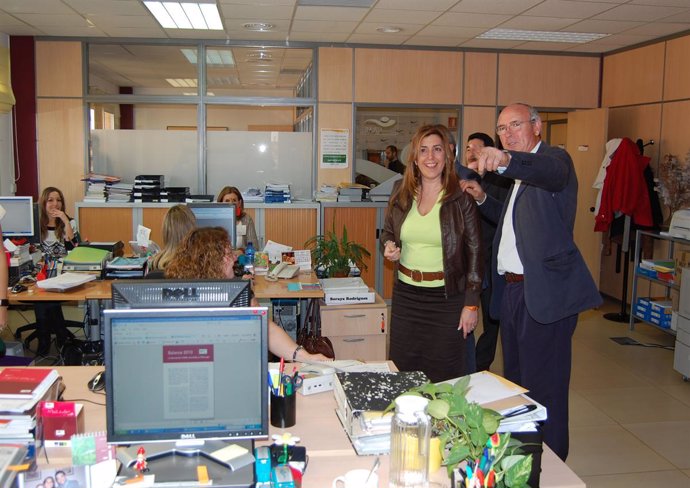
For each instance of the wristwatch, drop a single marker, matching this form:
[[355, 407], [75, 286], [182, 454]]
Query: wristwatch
[[4, 302]]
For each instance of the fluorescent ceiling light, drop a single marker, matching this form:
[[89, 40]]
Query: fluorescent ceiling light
[[199, 14], [540, 36], [214, 57], [182, 82]]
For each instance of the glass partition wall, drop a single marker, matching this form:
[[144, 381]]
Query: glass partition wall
[[205, 116]]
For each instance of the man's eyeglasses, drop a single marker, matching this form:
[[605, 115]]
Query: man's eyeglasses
[[514, 125]]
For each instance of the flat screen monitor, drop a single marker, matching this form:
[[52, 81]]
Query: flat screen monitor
[[19, 216], [184, 374], [181, 293], [216, 215]]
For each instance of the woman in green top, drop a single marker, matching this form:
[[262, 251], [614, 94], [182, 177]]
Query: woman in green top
[[432, 231]]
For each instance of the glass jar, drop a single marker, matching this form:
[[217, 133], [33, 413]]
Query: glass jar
[[410, 432]]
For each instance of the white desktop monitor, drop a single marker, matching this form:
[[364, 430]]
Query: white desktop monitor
[[185, 375], [19, 217], [216, 215]]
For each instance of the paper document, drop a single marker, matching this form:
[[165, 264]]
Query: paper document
[[487, 387], [65, 281]]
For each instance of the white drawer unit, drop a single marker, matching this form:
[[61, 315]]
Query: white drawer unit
[[357, 331], [681, 355]]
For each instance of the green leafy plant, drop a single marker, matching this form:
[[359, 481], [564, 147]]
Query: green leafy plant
[[467, 432], [331, 255]]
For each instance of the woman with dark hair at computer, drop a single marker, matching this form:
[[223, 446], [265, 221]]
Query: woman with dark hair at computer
[[245, 224], [178, 221], [58, 235], [207, 253]]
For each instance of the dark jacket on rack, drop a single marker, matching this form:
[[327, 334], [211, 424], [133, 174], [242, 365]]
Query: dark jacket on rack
[[461, 242]]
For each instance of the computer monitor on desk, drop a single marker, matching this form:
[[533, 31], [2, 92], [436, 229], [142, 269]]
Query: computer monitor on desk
[[186, 383], [216, 215], [19, 217]]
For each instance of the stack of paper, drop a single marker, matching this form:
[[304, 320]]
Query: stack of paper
[[65, 281], [361, 399], [20, 391], [122, 267], [346, 291], [277, 193]]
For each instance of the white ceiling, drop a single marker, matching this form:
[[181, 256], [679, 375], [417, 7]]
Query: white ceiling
[[448, 23]]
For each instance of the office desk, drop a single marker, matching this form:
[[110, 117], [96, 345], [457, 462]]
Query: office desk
[[264, 288], [93, 290], [100, 290], [330, 452]]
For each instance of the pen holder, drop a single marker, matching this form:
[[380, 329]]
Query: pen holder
[[283, 410]]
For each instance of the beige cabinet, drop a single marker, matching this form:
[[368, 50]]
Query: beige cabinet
[[357, 331]]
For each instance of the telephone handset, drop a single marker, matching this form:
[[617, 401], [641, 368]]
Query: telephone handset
[[284, 271]]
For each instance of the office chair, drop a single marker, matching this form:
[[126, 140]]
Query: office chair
[[69, 324]]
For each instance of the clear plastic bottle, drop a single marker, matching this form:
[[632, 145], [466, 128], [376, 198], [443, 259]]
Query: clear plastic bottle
[[410, 433], [249, 257]]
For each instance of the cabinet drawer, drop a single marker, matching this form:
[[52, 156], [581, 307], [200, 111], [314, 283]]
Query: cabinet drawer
[[354, 321], [361, 347]]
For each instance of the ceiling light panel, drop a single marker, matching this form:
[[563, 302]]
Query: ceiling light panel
[[540, 36], [215, 57], [199, 15]]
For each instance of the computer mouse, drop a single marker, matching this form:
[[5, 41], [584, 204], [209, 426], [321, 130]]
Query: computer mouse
[[18, 288], [97, 383]]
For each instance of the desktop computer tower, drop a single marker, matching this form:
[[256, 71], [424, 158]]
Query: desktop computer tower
[[286, 315]]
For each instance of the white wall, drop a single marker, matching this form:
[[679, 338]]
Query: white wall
[[158, 117], [7, 186]]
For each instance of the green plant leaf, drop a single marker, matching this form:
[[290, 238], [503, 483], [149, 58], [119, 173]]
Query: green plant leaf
[[457, 454], [491, 420], [517, 470], [438, 408]]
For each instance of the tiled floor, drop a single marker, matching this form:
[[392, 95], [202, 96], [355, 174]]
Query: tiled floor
[[629, 409]]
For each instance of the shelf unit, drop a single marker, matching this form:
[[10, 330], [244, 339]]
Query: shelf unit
[[672, 241]]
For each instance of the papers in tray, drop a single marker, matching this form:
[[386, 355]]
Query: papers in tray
[[65, 281]]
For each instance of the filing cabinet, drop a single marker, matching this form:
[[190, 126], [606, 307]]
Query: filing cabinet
[[681, 354], [358, 331]]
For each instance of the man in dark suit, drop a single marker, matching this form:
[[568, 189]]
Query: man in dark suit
[[392, 162], [498, 187], [540, 280]]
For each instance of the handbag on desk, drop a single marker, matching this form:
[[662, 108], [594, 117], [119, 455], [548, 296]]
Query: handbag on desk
[[310, 336]]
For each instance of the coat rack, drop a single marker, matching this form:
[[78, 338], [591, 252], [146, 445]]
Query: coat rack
[[623, 316]]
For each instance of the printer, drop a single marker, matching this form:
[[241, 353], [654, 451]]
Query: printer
[[680, 224]]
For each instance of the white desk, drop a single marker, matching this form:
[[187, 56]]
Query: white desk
[[329, 450]]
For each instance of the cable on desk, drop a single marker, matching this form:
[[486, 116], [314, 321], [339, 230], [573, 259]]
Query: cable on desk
[[88, 401]]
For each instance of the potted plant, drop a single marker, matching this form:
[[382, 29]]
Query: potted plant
[[467, 434], [331, 255]]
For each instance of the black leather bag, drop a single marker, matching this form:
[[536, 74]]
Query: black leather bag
[[310, 336]]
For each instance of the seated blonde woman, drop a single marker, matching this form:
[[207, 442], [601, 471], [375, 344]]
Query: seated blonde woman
[[207, 253], [178, 221]]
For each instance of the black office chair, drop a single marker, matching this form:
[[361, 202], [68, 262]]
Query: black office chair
[[34, 326]]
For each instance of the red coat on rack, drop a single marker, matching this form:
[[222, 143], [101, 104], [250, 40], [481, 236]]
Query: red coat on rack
[[625, 189]]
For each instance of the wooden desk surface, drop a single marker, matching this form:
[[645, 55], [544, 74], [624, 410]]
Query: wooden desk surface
[[330, 452], [93, 290], [278, 289], [100, 290]]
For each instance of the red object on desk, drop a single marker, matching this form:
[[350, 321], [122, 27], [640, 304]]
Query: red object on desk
[[59, 422], [42, 275]]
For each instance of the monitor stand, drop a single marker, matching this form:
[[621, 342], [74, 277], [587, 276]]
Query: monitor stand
[[174, 462]]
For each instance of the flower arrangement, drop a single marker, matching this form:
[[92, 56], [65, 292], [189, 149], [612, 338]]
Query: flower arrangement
[[674, 182], [467, 432]]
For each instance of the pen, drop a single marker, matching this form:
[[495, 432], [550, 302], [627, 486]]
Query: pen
[[383, 324], [514, 412]]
